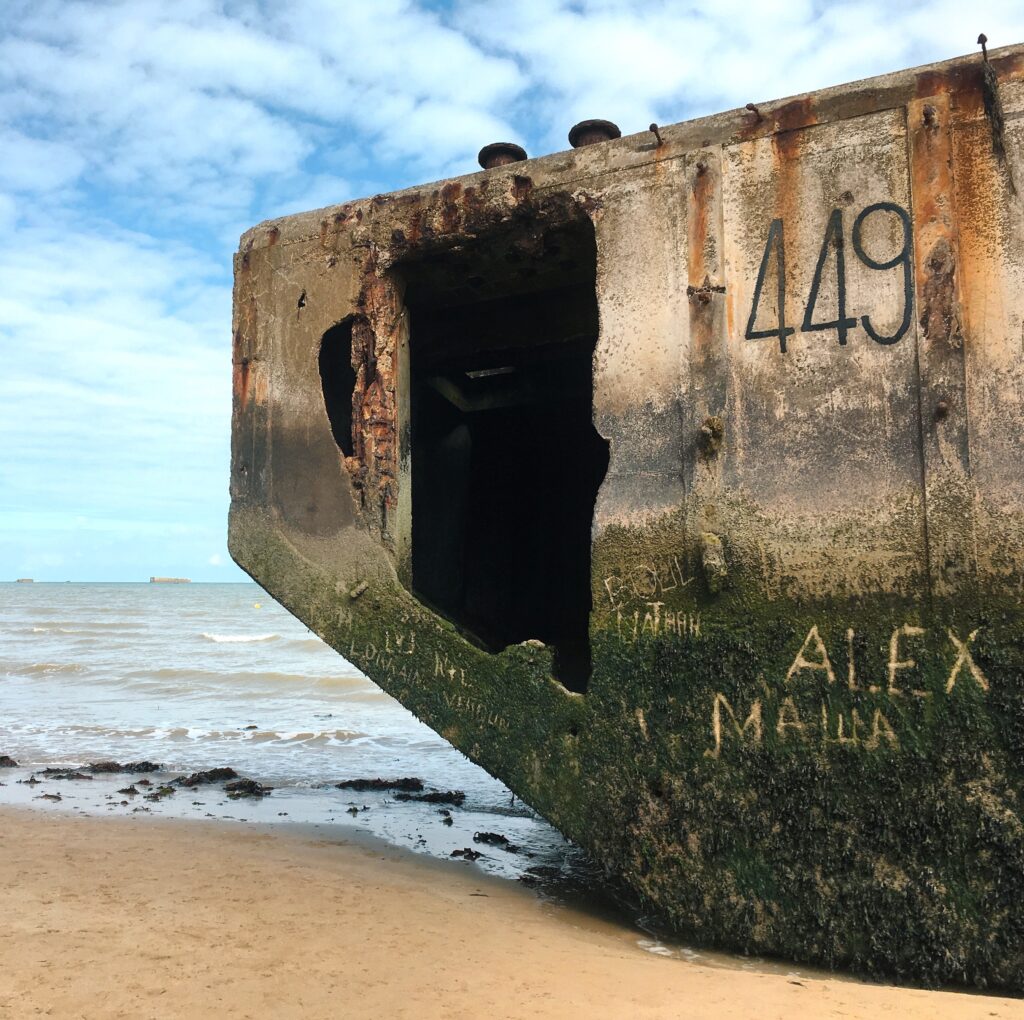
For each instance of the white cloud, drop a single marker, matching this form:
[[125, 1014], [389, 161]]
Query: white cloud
[[141, 137], [633, 61], [180, 99], [34, 164], [198, 103], [116, 389]]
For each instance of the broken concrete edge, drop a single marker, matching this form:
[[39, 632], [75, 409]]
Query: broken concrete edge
[[561, 169]]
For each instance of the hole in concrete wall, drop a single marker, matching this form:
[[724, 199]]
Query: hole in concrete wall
[[506, 463], [338, 379]]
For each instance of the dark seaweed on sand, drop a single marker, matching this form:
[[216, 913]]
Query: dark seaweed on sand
[[407, 785], [209, 776], [455, 797]]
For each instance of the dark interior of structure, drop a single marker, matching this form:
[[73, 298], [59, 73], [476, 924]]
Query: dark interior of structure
[[506, 463], [338, 378]]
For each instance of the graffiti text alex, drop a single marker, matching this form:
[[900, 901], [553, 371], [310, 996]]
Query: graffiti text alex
[[867, 726]]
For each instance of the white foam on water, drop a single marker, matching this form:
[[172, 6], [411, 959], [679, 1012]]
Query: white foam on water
[[201, 664], [235, 639], [50, 668]]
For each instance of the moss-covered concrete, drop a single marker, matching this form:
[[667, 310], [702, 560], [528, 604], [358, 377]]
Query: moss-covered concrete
[[759, 787]]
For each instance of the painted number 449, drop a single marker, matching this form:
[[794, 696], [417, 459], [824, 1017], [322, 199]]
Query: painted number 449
[[833, 241]]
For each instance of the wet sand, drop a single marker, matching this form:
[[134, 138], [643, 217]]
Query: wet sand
[[148, 917]]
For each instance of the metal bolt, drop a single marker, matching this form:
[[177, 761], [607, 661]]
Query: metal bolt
[[500, 154], [590, 132], [755, 111], [657, 133], [982, 39], [930, 115], [941, 410]]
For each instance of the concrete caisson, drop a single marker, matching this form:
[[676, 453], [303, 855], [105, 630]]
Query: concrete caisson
[[680, 485]]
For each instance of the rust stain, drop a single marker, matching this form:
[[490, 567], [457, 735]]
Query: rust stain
[[374, 463], [967, 92], [473, 203], [787, 147], [932, 83], [791, 116], [700, 204], [415, 231], [241, 351], [965, 79], [981, 201], [450, 214], [521, 187], [799, 113], [936, 273], [240, 377], [331, 229], [1010, 67], [697, 228], [935, 232]]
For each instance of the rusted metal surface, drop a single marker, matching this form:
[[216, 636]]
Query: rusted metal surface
[[500, 154], [592, 132], [805, 721]]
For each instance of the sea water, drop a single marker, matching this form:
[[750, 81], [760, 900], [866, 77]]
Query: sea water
[[196, 676], [179, 673]]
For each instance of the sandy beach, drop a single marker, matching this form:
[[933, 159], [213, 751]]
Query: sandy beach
[[146, 917]]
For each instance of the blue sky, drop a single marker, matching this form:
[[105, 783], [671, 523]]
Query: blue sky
[[140, 138]]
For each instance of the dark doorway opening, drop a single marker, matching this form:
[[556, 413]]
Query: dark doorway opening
[[338, 379], [506, 463]]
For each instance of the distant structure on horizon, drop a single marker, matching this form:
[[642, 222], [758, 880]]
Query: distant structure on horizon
[[25, 580], [170, 580]]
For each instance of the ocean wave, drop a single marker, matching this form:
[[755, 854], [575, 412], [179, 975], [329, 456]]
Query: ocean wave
[[220, 677], [97, 730], [87, 626], [196, 734], [226, 639], [346, 681], [295, 736], [307, 642], [46, 668]]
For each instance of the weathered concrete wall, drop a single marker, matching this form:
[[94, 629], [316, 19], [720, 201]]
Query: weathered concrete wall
[[805, 726]]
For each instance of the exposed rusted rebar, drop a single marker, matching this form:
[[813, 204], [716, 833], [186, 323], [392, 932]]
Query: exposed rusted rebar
[[994, 111]]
